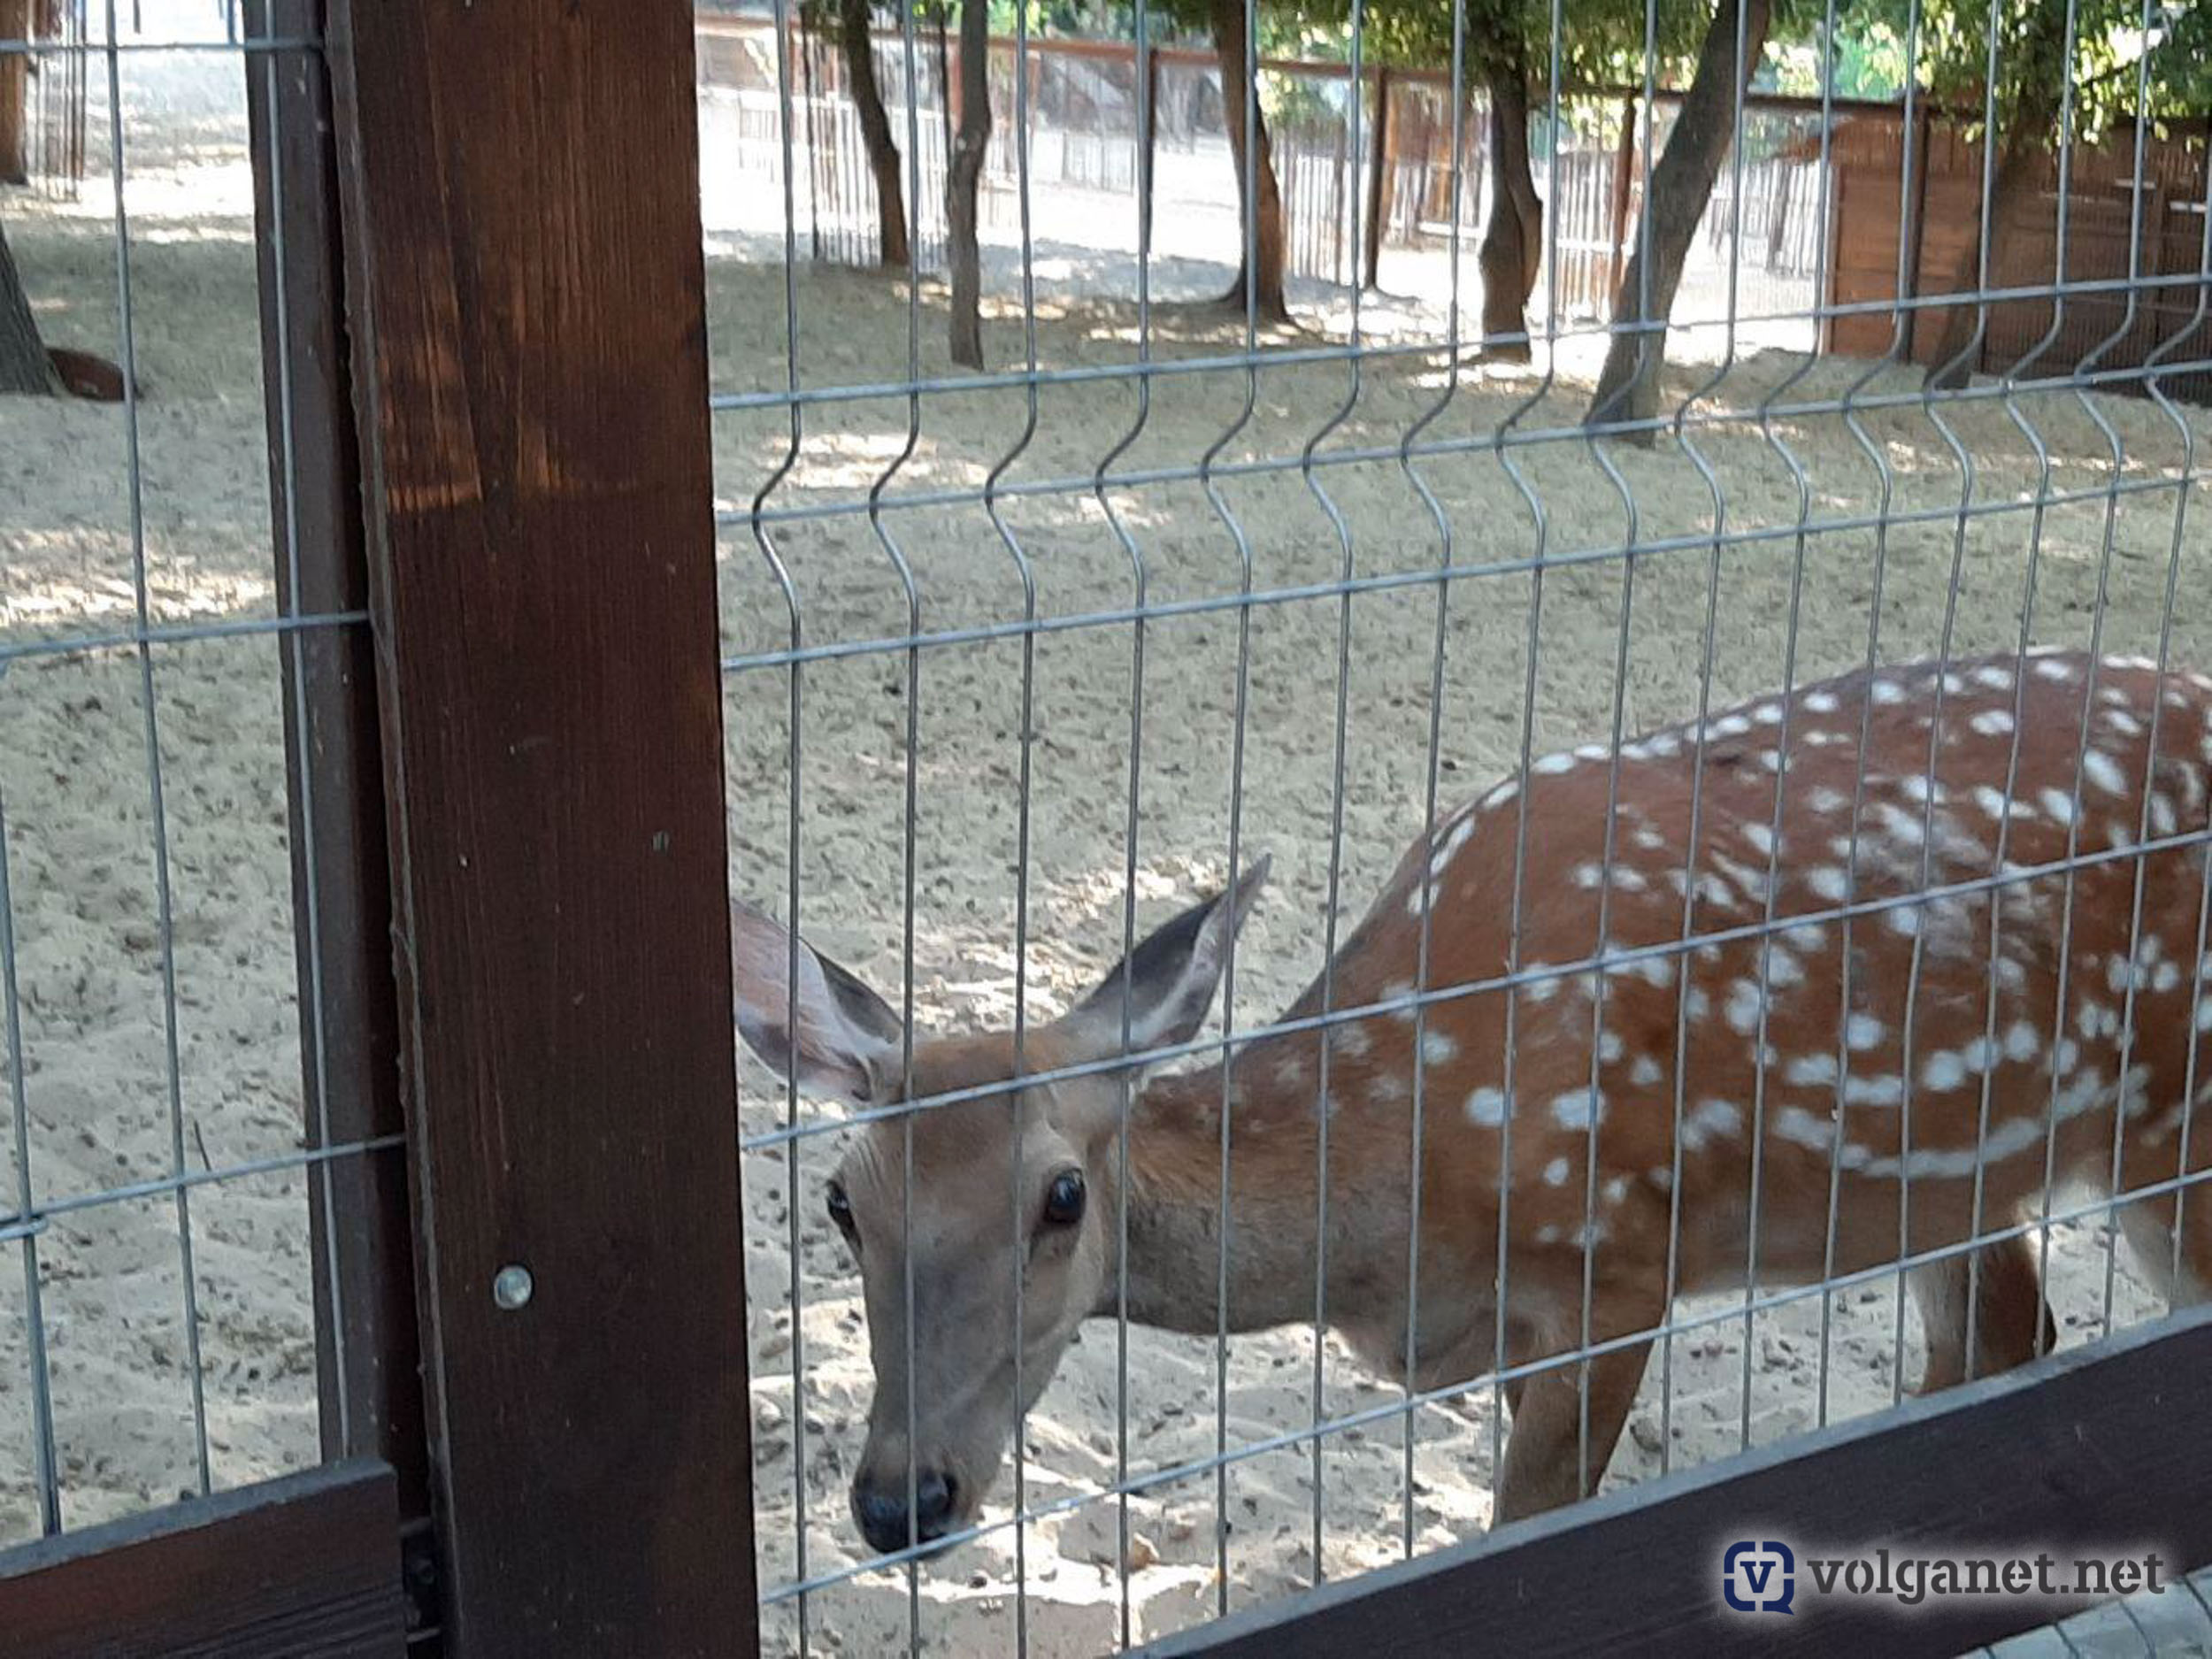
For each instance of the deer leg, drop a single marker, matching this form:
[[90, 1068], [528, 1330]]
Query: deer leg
[[1547, 1462], [2149, 1225], [2012, 1324]]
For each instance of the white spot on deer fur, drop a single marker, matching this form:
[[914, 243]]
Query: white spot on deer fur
[[1904, 919], [1556, 1171], [1696, 1003], [1711, 1120], [1782, 968], [1593, 751], [1742, 1011], [1992, 723], [1645, 1073], [1767, 714], [1874, 1091], [1795, 1124], [1813, 1070], [1760, 837], [1551, 765], [1397, 991], [1662, 1178], [1827, 802], [2164, 821], [1438, 1048], [1885, 691], [1992, 800], [2102, 770], [1609, 1048], [1818, 702], [1486, 1107], [2022, 1040], [1918, 788], [2165, 977], [1578, 1109], [1994, 677], [2126, 724], [1589, 876], [1548, 1234], [1827, 882], [1653, 971], [1943, 1071], [2204, 1013], [1615, 1189], [2056, 803], [1727, 726], [2053, 668], [1349, 1040], [1862, 1032], [1499, 794], [1448, 848], [1648, 838]]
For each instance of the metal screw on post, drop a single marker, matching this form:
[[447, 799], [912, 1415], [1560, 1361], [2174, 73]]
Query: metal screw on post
[[511, 1287]]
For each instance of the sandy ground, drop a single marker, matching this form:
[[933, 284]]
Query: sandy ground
[[80, 848]]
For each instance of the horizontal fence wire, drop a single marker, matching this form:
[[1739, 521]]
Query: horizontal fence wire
[[989, 576]]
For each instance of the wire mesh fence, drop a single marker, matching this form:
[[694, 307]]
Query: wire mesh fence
[[1767, 784], [157, 1330], [1716, 896]]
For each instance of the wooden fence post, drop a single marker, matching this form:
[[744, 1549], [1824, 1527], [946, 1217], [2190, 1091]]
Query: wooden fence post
[[526, 306], [1623, 167], [1381, 180], [367, 1358], [1919, 231]]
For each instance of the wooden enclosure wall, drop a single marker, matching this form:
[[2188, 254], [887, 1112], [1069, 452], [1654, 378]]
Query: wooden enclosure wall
[[1939, 212]]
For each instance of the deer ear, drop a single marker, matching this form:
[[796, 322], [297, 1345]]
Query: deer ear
[[829, 1031], [1168, 982]]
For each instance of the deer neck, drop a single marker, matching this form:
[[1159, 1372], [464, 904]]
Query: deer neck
[[1175, 1202]]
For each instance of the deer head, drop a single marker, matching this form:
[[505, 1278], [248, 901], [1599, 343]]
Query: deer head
[[947, 1208]]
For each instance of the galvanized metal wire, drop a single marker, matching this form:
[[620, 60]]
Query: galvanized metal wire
[[1330, 445], [37, 1202]]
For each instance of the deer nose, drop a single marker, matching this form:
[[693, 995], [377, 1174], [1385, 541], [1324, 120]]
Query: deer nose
[[879, 1506]]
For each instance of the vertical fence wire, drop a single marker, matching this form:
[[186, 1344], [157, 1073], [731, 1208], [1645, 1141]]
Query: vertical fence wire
[[164, 907]]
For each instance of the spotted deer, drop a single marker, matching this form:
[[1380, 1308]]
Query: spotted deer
[[1851, 982]]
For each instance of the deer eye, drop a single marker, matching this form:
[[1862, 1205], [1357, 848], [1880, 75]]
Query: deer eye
[[841, 1211], [1063, 1199]]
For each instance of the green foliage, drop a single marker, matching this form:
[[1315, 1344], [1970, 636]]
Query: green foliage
[[2112, 54]]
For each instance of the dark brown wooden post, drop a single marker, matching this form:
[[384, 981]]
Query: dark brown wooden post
[[525, 300], [1380, 179], [1624, 171], [1914, 277], [367, 1358]]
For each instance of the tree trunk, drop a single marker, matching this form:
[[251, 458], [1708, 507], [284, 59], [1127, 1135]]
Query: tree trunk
[[962, 176], [1681, 185], [1380, 173], [858, 45], [1953, 363], [24, 364], [1512, 249], [1237, 79]]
